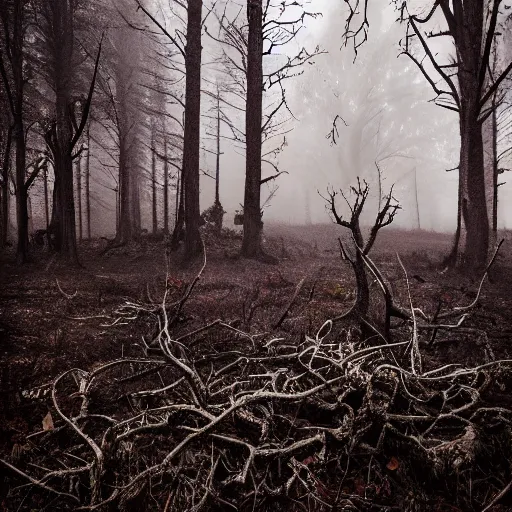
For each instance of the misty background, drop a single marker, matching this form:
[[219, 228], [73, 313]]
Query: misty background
[[384, 117]]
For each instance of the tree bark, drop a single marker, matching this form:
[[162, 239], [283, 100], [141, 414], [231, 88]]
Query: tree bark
[[79, 196], [192, 130], [166, 189], [118, 213], [217, 162], [473, 241], [125, 230], [22, 248], [46, 200], [6, 163], [179, 223], [88, 184], [63, 216], [489, 135], [22, 255], [153, 181], [135, 201], [251, 244], [474, 229], [494, 225]]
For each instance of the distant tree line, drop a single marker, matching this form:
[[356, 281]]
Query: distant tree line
[[105, 85], [118, 87]]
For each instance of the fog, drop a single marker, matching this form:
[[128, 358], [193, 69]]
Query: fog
[[384, 102], [384, 115]]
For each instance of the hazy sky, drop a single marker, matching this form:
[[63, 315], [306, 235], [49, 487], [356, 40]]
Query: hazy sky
[[331, 87], [423, 137], [390, 119]]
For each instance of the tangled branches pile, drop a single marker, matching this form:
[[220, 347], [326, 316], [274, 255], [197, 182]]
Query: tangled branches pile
[[334, 421], [327, 423]]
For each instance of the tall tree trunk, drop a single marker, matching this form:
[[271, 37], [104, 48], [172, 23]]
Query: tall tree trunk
[[153, 180], [88, 184], [63, 217], [4, 192], [217, 163], [79, 196], [490, 173], [251, 244], [21, 194], [192, 129], [474, 229], [179, 222], [417, 203], [125, 230], [19, 132], [128, 121], [135, 201], [118, 213], [178, 200], [166, 189], [46, 200], [15, 87], [30, 215], [473, 240], [494, 225]]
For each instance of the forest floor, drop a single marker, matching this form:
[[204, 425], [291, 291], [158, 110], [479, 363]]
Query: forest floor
[[54, 318]]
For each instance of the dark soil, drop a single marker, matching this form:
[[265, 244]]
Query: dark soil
[[53, 318]]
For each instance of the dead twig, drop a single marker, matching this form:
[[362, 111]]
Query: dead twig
[[66, 295]]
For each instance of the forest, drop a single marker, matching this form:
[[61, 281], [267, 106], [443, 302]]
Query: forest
[[255, 255]]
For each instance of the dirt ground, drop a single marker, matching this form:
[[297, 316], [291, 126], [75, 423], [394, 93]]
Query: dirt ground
[[53, 318]]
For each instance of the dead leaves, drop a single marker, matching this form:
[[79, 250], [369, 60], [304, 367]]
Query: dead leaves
[[393, 464], [48, 422]]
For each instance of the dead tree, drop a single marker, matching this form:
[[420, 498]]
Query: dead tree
[[88, 182], [154, 217], [253, 225], [5, 152], [245, 44], [46, 197], [215, 214], [14, 17], [79, 196], [362, 247], [57, 19], [191, 52], [472, 26]]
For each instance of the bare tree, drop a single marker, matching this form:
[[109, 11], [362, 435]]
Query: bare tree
[[14, 17], [253, 225], [78, 169], [56, 32], [385, 216], [154, 217], [88, 182], [246, 42], [214, 215], [6, 132], [191, 53], [468, 88]]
